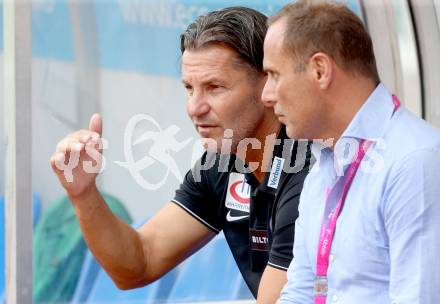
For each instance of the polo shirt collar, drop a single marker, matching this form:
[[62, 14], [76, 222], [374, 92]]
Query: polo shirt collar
[[277, 152]]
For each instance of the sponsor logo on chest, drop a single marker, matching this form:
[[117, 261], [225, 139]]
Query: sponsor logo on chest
[[275, 172], [238, 195]]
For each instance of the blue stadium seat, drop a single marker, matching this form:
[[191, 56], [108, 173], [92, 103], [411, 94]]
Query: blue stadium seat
[[210, 275], [36, 208], [105, 291], [95, 286], [89, 272], [60, 251]]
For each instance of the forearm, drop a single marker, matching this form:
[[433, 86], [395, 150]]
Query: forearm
[[271, 284], [116, 245]]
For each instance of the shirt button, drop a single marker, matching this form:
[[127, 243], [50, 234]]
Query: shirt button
[[335, 299], [332, 258]]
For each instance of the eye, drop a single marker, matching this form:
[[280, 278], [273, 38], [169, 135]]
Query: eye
[[189, 89], [272, 76], [214, 87]]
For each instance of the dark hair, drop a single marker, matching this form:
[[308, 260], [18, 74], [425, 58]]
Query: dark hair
[[317, 26], [241, 28]]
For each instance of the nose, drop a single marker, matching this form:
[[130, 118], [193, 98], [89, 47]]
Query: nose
[[268, 94], [197, 105]]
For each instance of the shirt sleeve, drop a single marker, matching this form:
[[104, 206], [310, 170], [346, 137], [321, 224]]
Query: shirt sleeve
[[300, 276], [197, 194], [283, 234], [411, 214]]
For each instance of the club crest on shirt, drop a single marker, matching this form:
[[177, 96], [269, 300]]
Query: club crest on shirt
[[238, 195]]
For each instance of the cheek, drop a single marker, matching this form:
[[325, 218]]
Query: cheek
[[286, 99], [187, 108], [223, 111], [284, 92], [222, 108]]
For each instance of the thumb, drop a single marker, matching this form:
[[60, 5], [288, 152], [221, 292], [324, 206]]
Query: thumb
[[96, 124]]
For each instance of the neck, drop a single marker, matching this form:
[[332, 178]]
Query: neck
[[345, 101], [266, 133]]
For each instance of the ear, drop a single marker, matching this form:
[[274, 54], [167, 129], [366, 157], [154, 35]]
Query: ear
[[321, 67]]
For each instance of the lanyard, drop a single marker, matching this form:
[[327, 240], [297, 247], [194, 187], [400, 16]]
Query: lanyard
[[335, 199]]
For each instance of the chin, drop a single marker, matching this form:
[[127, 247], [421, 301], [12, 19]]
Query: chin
[[294, 134], [210, 144], [289, 132], [217, 145]]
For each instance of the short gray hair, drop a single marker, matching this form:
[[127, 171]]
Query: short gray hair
[[323, 26], [241, 28]]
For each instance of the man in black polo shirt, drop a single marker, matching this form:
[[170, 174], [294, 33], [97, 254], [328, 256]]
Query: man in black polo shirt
[[244, 192], [257, 217]]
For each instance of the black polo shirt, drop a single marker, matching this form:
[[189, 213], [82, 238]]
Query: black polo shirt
[[258, 219]]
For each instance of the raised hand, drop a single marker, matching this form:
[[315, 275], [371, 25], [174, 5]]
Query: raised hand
[[78, 158]]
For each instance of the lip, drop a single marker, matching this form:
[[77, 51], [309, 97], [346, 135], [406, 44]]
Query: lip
[[279, 116], [205, 129], [204, 125]]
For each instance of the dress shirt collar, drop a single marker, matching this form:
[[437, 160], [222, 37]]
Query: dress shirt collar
[[369, 122], [372, 118]]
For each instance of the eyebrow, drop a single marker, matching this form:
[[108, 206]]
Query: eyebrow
[[207, 81]]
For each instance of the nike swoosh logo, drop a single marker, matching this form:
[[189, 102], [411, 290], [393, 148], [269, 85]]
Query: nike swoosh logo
[[231, 218]]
